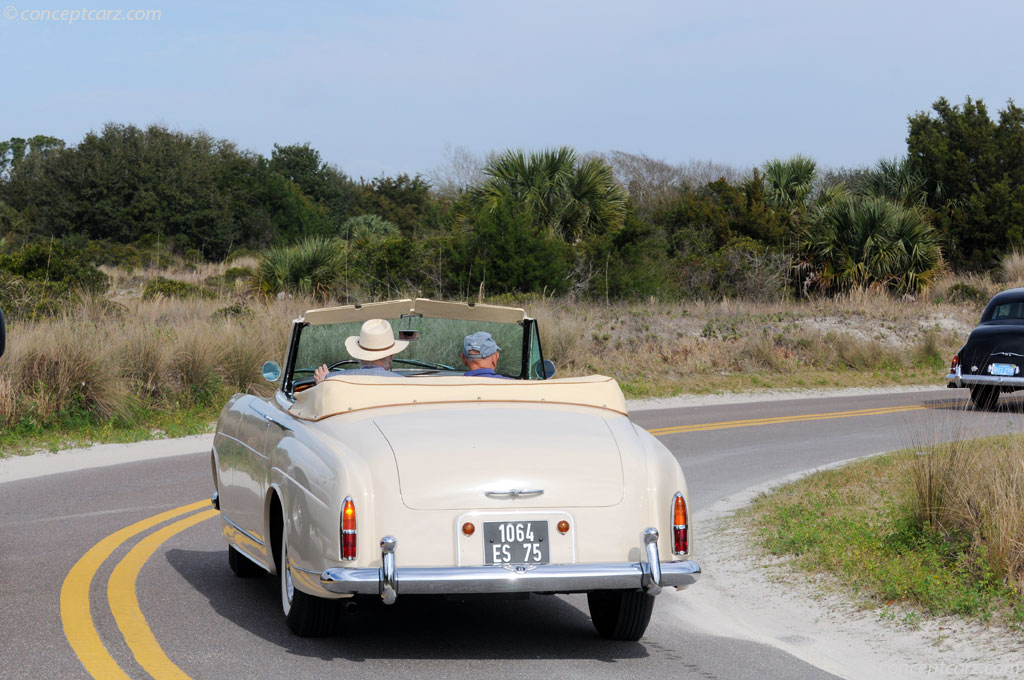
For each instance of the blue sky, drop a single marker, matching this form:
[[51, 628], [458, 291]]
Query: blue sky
[[382, 87]]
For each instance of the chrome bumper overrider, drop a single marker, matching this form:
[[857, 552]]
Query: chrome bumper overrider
[[960, 380], [651, 575]]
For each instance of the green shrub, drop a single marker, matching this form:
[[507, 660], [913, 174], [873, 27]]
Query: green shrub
[[312, 267], [233, 311], [169, 288], [21, 298], [56, 263], [235, 273], [367, 227], [961, 292]]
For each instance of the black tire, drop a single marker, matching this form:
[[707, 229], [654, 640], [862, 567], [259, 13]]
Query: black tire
[[306, 615], [620, 614], [242, 566], [985, 398]]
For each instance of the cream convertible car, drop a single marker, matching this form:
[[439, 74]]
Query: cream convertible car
[[439, 483]]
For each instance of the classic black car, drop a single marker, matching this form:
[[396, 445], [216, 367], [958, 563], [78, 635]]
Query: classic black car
[[992, 360]]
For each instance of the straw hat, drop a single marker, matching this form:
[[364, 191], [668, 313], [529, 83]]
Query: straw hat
[[376, 340]]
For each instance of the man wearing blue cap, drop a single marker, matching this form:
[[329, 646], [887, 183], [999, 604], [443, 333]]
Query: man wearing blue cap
[[480, 354]]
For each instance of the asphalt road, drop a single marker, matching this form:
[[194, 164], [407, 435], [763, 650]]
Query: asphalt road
[[208, 624]]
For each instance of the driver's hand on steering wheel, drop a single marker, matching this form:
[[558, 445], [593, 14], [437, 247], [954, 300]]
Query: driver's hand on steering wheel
[[320, 374]]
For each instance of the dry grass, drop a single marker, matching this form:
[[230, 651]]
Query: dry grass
[[106, 359], [975, 489], [112, 354], [862, 338], [1012, 267]]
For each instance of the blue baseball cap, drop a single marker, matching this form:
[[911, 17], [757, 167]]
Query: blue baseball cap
[[481, 344]]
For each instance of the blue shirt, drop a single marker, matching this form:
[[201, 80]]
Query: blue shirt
[[485, 373]]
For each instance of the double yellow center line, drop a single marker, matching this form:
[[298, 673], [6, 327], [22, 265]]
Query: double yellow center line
[[75, 607], [754, 422]]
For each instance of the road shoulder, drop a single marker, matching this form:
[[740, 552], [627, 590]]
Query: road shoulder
[[40, 464], [747, 594]]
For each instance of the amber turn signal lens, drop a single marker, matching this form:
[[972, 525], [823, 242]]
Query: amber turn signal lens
[[563, 527], [468, 528], [348, 529], [680, 532]]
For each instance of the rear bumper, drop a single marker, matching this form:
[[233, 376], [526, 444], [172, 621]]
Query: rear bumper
[[544, 578], [387, 581], [1007, 382]]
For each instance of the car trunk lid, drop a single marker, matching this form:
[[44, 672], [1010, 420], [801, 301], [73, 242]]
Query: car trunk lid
[[451, 459]]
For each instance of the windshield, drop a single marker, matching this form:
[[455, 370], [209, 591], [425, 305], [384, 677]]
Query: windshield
[[435, 346]]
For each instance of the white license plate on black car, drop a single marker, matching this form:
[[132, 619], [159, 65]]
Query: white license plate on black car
[[1003, 369], [516, 543]]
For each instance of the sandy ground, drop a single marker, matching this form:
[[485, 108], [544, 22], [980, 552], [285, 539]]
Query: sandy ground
[[747, 594]]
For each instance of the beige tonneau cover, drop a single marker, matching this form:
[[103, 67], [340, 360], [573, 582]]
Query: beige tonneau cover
[[340, 394]]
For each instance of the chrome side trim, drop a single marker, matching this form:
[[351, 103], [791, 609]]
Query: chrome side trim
[[243, 553], [269, 418], [652, 567], [960, 380], [241, 530], [545, 578]]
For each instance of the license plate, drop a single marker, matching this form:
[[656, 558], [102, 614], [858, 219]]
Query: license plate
[[1003, 369], [515, 543]]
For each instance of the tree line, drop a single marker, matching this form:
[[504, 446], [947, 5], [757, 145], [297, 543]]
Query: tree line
[[613, 225]]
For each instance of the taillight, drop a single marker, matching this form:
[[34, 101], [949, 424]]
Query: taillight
[[348, 529], [954, 363], [680, 537]]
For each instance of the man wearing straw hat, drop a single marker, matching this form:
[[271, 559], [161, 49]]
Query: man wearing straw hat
[[374, 347]]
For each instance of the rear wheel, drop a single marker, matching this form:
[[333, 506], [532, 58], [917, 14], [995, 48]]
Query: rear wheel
[[306, 615], [242, 565], [985, 397], [620, 614]]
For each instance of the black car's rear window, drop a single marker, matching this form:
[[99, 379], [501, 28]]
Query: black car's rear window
[[1007, 310]]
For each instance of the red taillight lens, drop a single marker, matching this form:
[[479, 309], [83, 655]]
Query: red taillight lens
[[680, 536], [348, 529], [955, 362]]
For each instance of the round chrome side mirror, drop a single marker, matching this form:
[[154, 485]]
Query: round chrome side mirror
[[545, 369], [271, 371]]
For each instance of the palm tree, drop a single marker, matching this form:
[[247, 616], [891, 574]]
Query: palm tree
[[564, 195], [788, 185], [789, 182], [896, 180], [862, 241]]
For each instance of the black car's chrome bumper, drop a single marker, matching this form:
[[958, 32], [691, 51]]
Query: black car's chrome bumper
[[960, 380], [651, 575]]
